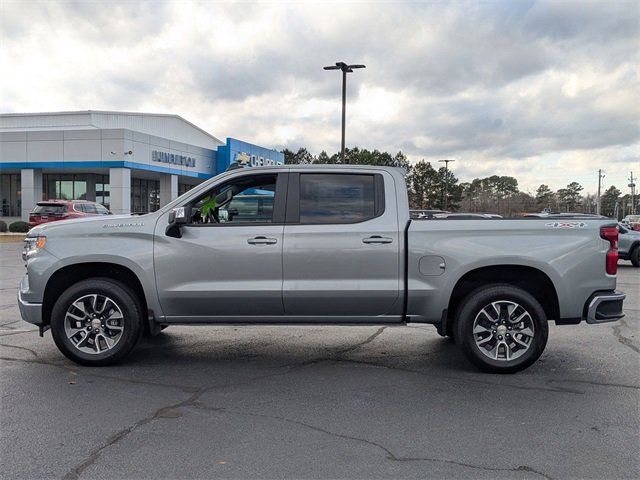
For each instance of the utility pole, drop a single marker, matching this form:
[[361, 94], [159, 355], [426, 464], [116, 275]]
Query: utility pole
[[345, 69], [632, 186], [446, 181], [600, 177]]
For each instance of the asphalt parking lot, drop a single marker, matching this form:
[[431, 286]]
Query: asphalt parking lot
[[318, 402]]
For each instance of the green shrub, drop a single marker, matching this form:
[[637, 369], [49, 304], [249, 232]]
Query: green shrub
[[19, 227], [3, 226]]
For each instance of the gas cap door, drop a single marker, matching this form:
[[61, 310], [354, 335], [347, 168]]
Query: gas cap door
[[431, 265]]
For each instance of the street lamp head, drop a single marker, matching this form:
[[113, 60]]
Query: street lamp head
[[343, 66]]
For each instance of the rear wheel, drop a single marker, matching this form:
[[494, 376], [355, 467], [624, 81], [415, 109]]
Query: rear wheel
[[501, 328], [96, 322]]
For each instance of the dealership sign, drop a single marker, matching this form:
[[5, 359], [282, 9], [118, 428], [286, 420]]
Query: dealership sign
[[172, 158], [243, 158]]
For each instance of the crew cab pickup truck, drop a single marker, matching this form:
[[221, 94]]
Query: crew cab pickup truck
[[317, 245]]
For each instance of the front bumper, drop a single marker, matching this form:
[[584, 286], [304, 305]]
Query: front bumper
[[604, 307], [30, 312]]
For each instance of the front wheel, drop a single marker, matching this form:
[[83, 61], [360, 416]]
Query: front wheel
[[96, 322], [501, 328]]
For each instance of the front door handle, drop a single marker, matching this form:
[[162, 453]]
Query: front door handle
[[262, 241], [377, 239]]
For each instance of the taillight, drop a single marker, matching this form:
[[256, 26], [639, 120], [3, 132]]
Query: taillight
[[611, 235]]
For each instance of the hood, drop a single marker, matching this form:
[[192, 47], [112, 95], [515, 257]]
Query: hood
[[90, 224]]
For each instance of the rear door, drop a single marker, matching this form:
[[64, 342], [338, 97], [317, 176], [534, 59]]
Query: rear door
[[341, 247]]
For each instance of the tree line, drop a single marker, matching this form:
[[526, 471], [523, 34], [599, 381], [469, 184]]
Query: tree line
[[494, 194]]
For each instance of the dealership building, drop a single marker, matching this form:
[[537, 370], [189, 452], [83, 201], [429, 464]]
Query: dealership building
[[129, 162]]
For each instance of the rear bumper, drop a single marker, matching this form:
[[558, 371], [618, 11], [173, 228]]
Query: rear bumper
[[30, 312], [604, 307]]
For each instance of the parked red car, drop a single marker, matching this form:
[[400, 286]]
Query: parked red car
[[52, 210]]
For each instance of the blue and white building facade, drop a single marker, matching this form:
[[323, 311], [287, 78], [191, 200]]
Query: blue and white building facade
[[129, 162]]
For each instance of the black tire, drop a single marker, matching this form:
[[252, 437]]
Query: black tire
[[635, 256], [472, 307], [131, 322]]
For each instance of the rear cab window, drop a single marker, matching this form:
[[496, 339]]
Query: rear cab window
[[337, 198]]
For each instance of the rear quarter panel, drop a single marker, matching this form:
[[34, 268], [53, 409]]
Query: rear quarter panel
[[573, 258]]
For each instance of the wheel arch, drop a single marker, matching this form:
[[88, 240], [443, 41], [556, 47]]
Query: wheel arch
[[68, 275], [530, 279]]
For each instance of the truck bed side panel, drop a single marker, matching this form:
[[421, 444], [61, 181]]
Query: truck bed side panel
[[573, 257]]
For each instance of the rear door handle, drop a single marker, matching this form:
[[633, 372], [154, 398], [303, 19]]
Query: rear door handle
[[377, 239], [262, 241]]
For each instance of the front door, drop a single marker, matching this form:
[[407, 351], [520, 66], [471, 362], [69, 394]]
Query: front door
[[228, 262], [342, 247]]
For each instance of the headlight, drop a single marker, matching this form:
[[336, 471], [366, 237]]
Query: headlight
[[33, 245]]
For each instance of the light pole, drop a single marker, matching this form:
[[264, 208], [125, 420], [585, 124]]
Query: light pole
[[598, 204], [446, 180], [345, 69]]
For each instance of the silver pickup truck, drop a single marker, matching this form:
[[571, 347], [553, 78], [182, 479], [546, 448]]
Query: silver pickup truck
[[316, 245]]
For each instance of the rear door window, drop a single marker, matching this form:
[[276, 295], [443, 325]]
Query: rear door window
[[337, 198], [89, 208], [101, 210]]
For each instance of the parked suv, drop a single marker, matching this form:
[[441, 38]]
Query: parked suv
[[52, 210], [629, 244]]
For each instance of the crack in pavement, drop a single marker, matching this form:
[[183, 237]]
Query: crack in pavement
[[366, 341], [15, 332], [389, 454], [337, 354], [467, 380], [89, 374], [164, 412], [591, 382], [626, 341], [32, 352]]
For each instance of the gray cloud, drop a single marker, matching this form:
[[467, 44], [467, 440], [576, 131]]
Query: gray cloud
[[509, 81]]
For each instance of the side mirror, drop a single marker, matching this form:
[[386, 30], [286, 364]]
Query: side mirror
[[178, 217]]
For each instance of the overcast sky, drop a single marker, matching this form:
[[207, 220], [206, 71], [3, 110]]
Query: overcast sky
[[545, 91]]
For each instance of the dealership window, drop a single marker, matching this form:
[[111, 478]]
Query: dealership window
[[102, 190], [10, 195], [64, 186], [184, 188], [145, 195], [336, 198]]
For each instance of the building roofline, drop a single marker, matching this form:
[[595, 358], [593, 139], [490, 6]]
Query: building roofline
[[112, 112]]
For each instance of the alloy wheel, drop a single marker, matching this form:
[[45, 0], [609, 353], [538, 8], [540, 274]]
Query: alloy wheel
[[94, 323], [503, 330]]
